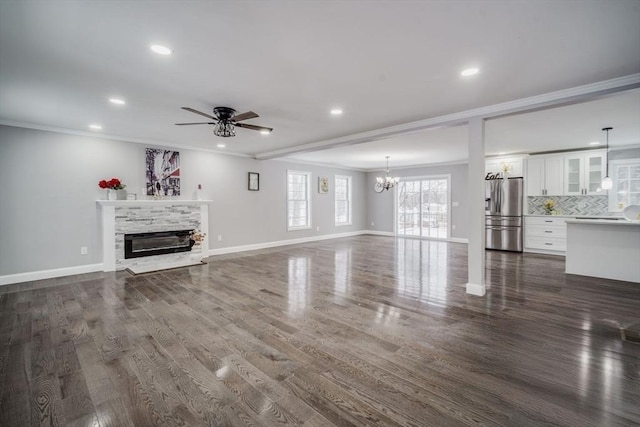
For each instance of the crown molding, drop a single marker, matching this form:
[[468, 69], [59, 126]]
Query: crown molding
[[319, 164], [419, 166], [148, 142]]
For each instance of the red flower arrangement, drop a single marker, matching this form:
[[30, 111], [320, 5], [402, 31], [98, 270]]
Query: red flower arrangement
[[112, 184]]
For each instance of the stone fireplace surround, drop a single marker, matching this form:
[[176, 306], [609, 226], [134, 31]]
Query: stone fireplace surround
[[120, 217]]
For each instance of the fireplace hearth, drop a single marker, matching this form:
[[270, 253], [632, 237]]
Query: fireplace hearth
[[164, 242]]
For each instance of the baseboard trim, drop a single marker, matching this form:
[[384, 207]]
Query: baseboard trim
[[49, 274], [458, 240], [476, 289], [276, 243], [380, 233]]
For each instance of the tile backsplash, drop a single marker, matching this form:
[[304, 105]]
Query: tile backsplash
[[571, 205]]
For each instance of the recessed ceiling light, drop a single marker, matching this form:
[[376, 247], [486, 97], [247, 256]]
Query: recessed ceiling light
[[161, 50], [265, 132], [95, 127], [469, 72], [221, 145], [336, 112], [117, 101], [594, 143]]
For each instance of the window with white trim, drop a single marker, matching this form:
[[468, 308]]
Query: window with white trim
[[298, 200], [626, 184], [343, 200]]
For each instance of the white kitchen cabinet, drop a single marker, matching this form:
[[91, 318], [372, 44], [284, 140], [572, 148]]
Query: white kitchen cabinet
[[545, 234], [514, 164], [583, 172], [545, 175]]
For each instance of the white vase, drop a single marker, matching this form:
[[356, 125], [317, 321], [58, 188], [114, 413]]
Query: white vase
[[112, 195]]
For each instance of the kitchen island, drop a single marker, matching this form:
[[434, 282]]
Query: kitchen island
[[603, 248]]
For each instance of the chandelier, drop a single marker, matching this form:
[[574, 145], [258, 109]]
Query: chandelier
[[224, 128], [386, 182]]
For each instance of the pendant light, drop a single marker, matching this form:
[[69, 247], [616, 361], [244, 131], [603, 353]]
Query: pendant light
[[607, 183]]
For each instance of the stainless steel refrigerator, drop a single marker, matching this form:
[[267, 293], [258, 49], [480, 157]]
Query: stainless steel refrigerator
[[503, 214]]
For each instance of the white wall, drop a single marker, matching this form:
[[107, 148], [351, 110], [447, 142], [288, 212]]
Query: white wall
[[49, 188], [380, 206]]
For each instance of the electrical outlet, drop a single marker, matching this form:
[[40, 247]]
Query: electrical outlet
[[318, 228], [455, 204], [219, 237], [453, 227], [373, 224], [84, 250]]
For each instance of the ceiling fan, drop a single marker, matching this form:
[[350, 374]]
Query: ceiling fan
[[226, 120]]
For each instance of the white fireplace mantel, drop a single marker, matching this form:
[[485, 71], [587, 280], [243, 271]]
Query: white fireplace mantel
[[132, 203], [108, 214]]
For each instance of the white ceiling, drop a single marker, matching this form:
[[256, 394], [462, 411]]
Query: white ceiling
[[384, 62]]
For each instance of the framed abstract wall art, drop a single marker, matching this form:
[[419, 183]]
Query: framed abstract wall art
[[162, 170]]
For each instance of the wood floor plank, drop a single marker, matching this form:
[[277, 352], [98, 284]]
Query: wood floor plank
[[112, 413], [46, 401], [334, 403]]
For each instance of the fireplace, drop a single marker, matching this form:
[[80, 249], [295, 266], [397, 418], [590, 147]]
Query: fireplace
[[163, 242], [141, 217]]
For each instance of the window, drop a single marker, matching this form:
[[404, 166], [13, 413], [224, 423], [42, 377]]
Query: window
[[626, 184], [423, 207], [298, 200], [343, 200]]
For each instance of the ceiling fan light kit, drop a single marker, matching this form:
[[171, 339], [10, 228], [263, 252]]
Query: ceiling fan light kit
[[226, 120]]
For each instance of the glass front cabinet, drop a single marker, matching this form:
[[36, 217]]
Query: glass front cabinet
[[584, 172]]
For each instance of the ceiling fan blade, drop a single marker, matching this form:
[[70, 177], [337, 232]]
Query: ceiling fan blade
[[201, 123], [245, 116], [198, 112], [252, 127]]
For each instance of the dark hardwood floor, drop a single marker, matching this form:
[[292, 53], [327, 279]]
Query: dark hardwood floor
[[366, 330]]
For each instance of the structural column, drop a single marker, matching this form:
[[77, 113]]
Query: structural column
[[475, 284]]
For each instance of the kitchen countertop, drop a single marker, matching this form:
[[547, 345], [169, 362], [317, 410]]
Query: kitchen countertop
[[620, 221], [603, 217]]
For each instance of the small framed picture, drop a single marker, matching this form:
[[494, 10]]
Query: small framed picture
[[323, 184], [132, 196], [254, 181]]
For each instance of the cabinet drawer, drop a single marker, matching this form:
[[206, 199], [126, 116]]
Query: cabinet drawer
[[544, 231], [544, 220], [550, 243]]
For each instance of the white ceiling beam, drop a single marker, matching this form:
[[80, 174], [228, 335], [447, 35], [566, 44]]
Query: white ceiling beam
[[539, 102]]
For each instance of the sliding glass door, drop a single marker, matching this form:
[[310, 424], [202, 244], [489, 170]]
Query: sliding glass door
[[423, 207]]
